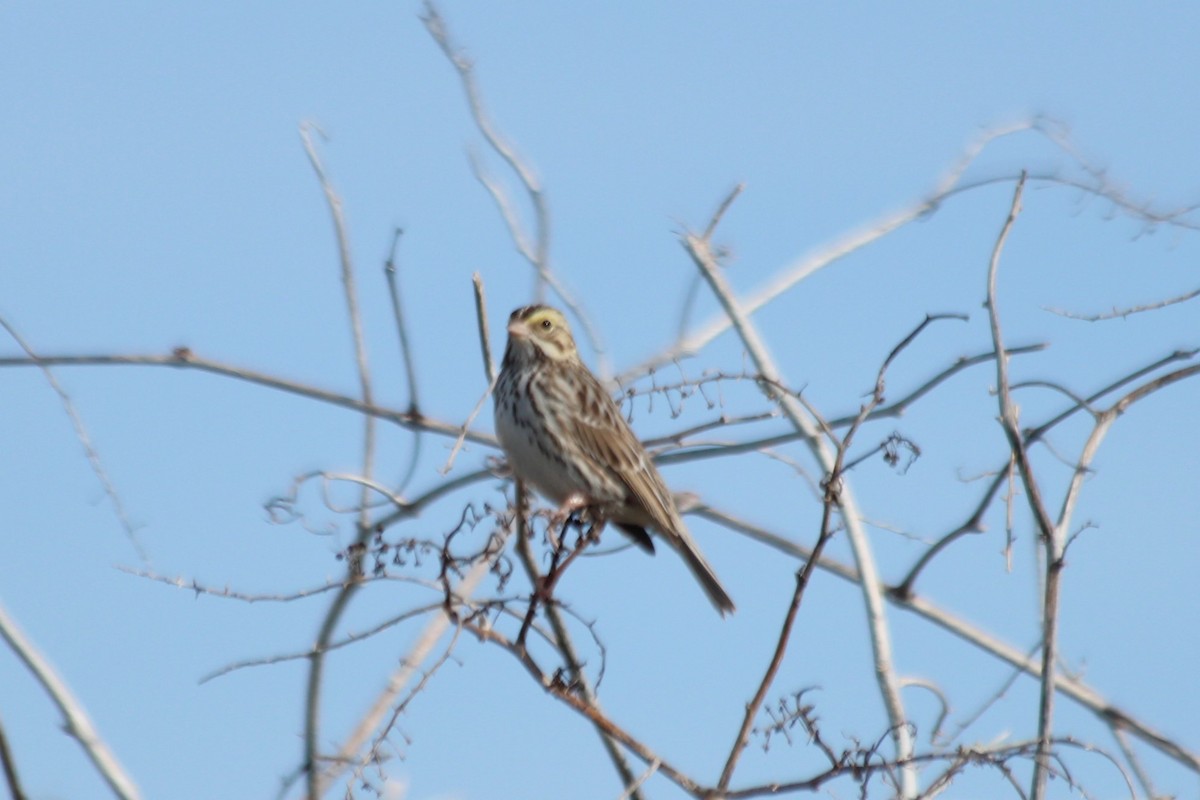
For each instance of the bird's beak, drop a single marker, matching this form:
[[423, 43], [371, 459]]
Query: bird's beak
[[517, 329]]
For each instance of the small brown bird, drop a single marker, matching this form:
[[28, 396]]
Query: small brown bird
[[565, 436]]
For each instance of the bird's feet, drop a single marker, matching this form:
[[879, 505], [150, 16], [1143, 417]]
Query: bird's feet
[[573, 511], [579, 512]]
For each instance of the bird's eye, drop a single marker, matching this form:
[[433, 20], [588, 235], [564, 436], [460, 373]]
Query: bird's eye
[[547, 324]]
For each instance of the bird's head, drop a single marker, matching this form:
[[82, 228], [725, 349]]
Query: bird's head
[[540, 332]]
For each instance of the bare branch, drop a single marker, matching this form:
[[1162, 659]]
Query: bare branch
[[1076, 690], [1046, 529], [949, 186], [392, 273], [481, 318], [700, 250], [81, 433], [350, 639], [9, 765], [346, 261], [436, 25], [76, 722], [465, 431], [537, 254], [564, 644], [1123, 313], [184, 358], [409, 664], [581, 705], [974, 522]]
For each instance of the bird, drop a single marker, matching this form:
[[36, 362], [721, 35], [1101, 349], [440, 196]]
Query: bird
[[565, 436]]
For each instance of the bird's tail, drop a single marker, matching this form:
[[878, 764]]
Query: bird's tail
[[686, 546]]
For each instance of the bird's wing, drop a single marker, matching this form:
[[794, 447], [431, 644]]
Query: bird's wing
[[607, 440]]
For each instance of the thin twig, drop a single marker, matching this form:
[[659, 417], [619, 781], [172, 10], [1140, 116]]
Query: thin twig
[[538, 255], [326, 647], [803, 575], [392, 273], [346, 262], [949, 186], [1046, 528], [312, 715], [466, 428], [481, 318], [592, 712], [1076, 690], [1135, 763], [1122, 313], [693, 451], [81, 433], [631, 791], [833, 485], [700, 250], [563, 641], [409, 664], [974, 521]]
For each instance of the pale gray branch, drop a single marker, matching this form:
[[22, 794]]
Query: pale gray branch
[[76, 722]]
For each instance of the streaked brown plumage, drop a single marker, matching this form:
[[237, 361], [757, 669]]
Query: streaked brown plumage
[[565, 436]]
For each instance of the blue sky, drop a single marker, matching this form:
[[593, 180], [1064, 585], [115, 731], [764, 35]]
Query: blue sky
[[154, 193]]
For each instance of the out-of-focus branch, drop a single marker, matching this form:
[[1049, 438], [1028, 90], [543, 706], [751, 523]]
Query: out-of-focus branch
[[481, 316], [392, 273], [1024, 661], [185, 359], [1050, 536], [537, 253], [312, 711], [974, 521], [489, 368], [312, 696], [1123, 313], [76, 722], [81, 433], [563, 642], [346, 261], [694, 451], [369, 722], [9, 765], [950, 185], [701, 252], [590, 711]]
